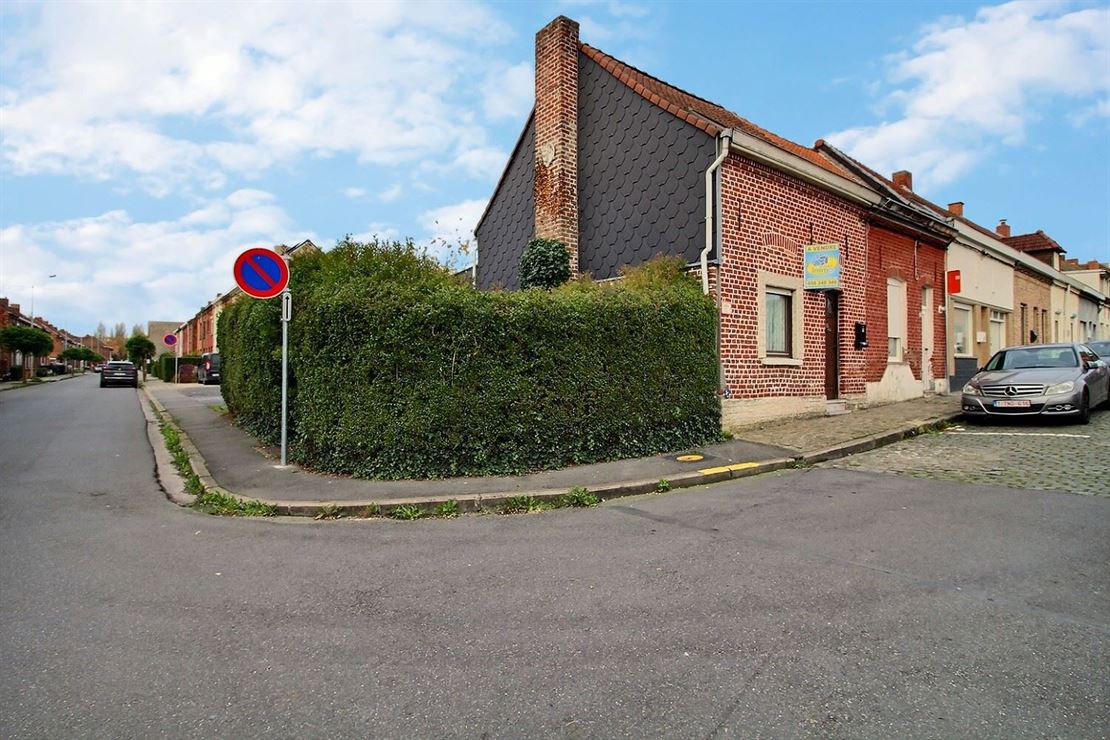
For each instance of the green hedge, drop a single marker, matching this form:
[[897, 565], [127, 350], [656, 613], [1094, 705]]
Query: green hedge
[[399, 371], [163, 366]]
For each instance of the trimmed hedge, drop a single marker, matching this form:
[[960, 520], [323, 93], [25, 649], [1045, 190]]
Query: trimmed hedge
[[400, 371], [163, 366]]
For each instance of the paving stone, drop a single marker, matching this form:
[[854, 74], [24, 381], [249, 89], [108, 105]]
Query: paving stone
[[1041, 456]]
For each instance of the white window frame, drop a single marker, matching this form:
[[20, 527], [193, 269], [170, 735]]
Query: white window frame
[[897, 321], [969, 336], [769, 281]]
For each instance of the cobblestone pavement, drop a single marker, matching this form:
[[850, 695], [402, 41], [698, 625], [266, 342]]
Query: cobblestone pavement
[[1048, 457], [822, 432]]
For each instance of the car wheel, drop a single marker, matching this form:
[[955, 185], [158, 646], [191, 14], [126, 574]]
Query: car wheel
[[1085, 409]]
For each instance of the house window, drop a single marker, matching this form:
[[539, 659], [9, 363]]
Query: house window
[[1024, 323], [895, 319], [778, 324], [997, 330], [961, 330], [779, 338]]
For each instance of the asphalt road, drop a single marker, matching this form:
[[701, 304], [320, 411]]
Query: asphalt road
[[813, 602]]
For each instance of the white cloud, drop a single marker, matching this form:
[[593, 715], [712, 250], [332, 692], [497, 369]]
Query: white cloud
[[451, 230], [966, 86], [508, 92], [113, 268], [355, 193], [392, 193], [234, 88]]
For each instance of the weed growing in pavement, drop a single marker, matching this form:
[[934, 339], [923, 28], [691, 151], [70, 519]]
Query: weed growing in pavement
[[179, 456], [329, 511], [522, 505], [215, 502], [406, 512], [579, 496], [219, 408], [800, 464], [663, 486], [449, 509], [370, 510]]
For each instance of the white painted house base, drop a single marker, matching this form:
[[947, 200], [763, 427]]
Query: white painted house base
[[897, 384], [737, 413]]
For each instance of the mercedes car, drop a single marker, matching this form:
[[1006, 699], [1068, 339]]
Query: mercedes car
[[1062, 380]]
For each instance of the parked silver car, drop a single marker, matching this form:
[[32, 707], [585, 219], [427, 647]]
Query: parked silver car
[[1039, 379]]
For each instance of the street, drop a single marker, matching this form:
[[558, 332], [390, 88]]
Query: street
[[817, 602]]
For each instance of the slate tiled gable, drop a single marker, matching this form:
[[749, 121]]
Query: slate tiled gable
[[509, 221], [640, 172]]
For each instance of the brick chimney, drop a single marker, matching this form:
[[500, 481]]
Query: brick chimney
[[957, 208], [1003, 229], [903, 179], [556, 184]]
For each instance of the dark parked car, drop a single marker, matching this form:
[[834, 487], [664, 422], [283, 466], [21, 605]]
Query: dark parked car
[[208, 371], [119, 372], [1040, 379]]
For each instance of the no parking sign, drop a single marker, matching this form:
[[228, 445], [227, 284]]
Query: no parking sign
[[262, 273]]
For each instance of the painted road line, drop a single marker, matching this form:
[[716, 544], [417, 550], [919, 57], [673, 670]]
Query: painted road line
[[727, 468], [1017, 434]]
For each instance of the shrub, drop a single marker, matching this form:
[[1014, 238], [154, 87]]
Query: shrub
[[545, 263], [163, 368], [398, 370]]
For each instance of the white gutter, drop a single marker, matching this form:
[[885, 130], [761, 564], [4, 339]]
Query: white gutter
[[711, 206]]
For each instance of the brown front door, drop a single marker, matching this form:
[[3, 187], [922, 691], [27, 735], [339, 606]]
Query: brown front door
[[832, 344]]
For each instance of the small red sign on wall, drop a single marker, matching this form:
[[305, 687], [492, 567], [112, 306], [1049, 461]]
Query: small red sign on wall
[[953, 282]]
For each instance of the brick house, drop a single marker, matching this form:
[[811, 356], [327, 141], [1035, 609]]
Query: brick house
[[1095, 275], [1076, 306], [621, 166]]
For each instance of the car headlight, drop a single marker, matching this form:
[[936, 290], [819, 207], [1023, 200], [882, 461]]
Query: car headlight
[[1065, 387], [972, 390]]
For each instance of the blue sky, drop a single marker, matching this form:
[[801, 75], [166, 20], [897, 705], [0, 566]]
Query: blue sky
[[145, 145]]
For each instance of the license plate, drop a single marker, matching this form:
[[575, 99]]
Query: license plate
[[1012, 404]]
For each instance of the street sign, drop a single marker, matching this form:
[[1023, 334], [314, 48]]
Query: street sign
[[169, 340], [261, 273]]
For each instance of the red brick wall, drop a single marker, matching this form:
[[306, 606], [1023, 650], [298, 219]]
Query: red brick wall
[[556, 123], [758, 202], [892, 255]]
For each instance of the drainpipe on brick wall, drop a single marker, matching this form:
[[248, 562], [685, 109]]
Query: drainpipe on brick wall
[[712, 205]]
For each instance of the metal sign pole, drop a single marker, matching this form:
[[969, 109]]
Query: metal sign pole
[[176, 359], [286, 315]]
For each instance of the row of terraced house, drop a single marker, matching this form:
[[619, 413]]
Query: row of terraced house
[[836, 285], [12, 315]]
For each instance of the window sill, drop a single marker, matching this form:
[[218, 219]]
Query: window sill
[[785, 361]]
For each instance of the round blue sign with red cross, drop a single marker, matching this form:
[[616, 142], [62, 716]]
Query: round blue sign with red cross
[[169, 340], [261, 273]]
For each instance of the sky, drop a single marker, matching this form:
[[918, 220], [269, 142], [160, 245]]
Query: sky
[[144, 145]]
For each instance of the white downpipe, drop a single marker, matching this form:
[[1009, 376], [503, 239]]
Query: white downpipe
[[710, 206]]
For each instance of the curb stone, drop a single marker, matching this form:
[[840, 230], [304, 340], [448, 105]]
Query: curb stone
[[474, 503], [172, 483]]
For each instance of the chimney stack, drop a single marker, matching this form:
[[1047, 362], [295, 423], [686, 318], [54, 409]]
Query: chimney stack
[[556, 122], [957, 208], [1003, 229], [903, 179]]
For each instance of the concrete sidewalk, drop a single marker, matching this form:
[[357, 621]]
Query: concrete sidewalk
[[236, 463]]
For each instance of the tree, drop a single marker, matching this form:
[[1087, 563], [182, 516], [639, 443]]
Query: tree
[[101, 332], [544, 264], [137, 330], [139, 350], [81, 354], [28, 341]]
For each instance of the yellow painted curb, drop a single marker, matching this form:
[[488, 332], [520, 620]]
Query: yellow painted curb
[[728, 468]]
